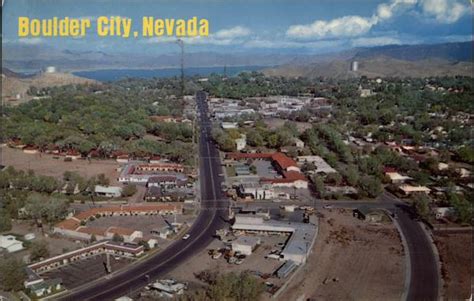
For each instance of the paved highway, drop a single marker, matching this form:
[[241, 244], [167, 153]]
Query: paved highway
[[212, 217]]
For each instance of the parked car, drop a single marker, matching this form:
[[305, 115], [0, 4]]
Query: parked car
[[186, 236]]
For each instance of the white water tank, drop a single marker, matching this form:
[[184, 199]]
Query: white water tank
[[50, 69], [354, 66]]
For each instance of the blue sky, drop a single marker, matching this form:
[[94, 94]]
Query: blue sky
[[258, 25]]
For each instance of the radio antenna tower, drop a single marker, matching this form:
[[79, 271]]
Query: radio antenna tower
[[181, 45]]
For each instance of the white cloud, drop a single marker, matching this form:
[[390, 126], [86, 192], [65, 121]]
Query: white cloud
[[375, 41], [386, 11], [278, 43], [232, 33], [444, 11], [30, 41], [347, 26], [224, 37]]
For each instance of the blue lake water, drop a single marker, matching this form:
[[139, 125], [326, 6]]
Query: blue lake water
[[116, 74]]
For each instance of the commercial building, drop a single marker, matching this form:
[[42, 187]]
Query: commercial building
[[298, 246], [321, 165], [74, 227], [139, 173], [256, 191], [103, 247], [10, 243], [167, 181], [245, 244], [110, 191], [290, 173]]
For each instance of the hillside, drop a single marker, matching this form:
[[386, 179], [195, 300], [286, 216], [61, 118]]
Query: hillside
[[14, 84], [461, 51], [400, 61], [380, 66]]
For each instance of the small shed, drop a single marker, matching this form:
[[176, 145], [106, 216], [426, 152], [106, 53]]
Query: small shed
[[368, 214], [285, 269]]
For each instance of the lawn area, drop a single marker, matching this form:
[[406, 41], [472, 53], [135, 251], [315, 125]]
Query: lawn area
[[230, 170]]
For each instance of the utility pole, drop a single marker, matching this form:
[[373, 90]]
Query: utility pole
[[181, 45]]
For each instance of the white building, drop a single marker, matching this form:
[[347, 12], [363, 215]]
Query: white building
[[257, 191], [302, 236], [321, 165], [408, 189], [298, 143], [241, 142], [229, 125], [129, 235], [245, 244], [397, 178], [9, 243], [111, 191]]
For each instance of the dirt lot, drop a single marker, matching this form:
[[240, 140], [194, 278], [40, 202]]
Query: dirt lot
[[366, 261], [455, 250], [45, 164], [274, 123], [254, 262]]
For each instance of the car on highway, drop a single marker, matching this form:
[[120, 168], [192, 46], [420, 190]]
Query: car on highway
[[328, 206], [186, 236]]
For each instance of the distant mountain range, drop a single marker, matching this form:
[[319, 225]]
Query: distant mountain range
[[393, 60], [32, 58], [447, 51]]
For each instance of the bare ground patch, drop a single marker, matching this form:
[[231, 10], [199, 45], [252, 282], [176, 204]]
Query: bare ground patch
[[45, 164], [351, 260], [455, 250]]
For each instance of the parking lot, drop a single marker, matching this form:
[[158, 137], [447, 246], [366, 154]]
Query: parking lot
[[81, 272], [265, 169]]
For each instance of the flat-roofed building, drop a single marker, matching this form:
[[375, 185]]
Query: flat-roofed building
[[408, 189], [10, 243], [256, 191], [298, 246], [245, 244], [110, 191]]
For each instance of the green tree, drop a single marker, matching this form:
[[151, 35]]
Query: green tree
[[462, 207], [12, 274], [238, 287], [466, 153], [39, 249], [117, 238], [254, 138], [319, 185], [5, 220], [351, 174], [370, 185], [421, 203], [129, 190]]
